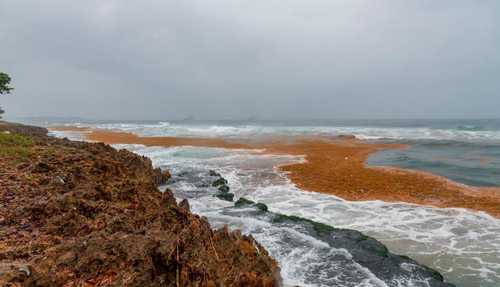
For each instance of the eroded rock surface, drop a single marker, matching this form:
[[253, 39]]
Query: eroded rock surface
[[83, 214]]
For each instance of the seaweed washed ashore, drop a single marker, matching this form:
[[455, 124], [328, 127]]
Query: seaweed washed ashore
[[85, 214], [334, 166]]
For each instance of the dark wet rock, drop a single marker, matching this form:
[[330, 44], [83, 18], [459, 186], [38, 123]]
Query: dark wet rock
[[365, 250], [261, 206], [243, 202], [246, 202], [214, 173], [346, 137], [225, 196], [219, 182], [224, 188]]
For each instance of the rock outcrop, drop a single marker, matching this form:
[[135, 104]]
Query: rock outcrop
[[85, 214], [394, 270], [222, 187]]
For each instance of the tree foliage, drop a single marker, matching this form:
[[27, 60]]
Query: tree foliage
[[4, 87], [4, 83]]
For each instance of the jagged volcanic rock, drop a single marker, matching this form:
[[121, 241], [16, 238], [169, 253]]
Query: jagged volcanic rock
[[84, 214]]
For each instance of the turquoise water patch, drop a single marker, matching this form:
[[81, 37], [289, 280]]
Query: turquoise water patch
[[473, 164]]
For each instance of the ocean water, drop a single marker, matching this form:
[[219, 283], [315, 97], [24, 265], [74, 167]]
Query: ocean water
[[474, 163], [467, 151], [463, 245], [451, 130]]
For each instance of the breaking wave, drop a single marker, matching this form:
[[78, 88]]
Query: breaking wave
[[463, 133]]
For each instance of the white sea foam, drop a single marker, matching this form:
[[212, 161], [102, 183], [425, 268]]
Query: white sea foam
[[78, 136], [369, 133], [463, 245]]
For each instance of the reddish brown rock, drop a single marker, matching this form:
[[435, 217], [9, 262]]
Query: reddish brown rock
[[81, 214]]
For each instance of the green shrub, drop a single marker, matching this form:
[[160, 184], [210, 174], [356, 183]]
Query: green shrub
[[15, 145]]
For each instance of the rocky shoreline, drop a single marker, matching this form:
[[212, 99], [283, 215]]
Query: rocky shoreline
[[85, 214]]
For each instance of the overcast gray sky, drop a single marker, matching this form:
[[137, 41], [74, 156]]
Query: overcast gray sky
[[219, 59]]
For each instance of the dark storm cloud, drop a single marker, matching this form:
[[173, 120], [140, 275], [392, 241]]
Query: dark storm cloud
[[122, 59]]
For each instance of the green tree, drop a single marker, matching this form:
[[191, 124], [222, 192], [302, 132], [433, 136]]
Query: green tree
[[4, 87], [4, 84]]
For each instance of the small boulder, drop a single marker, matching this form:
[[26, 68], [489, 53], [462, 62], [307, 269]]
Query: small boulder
[[224, 188], [261, 206], [219, 182], [214, 173], [225, 196], [242, 202]]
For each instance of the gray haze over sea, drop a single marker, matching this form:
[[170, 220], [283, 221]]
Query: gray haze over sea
[[235, 59]]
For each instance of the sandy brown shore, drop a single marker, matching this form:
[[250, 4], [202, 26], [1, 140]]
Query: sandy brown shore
[[337, 166]]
